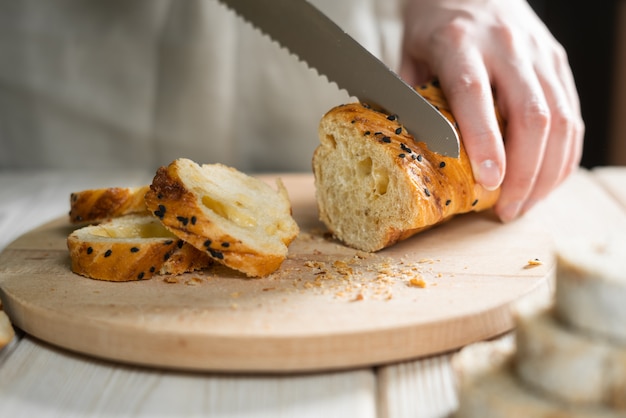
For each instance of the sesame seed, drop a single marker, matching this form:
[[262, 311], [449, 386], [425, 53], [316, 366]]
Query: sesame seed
[[426, 192], [183, 220], [207, 243], [108, 253], [398, 131], [401, 155], [166, 256], [386, 139], [180, 243], [448, 202], [193, 220], [474, 202], [442, 164], [392, 117], [168, 242], [159, 196], [405, 148], [89, 250], [419, 157], [162, 209], [216, 254], [140, 275], [152, 269], [367, 133], [225, 244], [134, 249]]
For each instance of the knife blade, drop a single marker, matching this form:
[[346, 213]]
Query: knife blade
[[315, 39]]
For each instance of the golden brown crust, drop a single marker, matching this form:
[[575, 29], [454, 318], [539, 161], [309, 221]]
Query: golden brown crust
[[429, 187], [97, 205], [107, 252], [177, 196]]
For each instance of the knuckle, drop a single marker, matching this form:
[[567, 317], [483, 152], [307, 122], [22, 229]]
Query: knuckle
[[537, 115]]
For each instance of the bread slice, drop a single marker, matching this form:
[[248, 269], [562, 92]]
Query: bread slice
[[6, 330], [591, 286], [97, 205], [240, 221], [569, 366], [499, 394], [376, 184], [131, 247]]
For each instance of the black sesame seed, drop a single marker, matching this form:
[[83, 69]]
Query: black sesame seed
[[159, 214], [386, 140], [108, 253], [216, 254], [183, 220], [398, 131], [140, 275], [180, 243], [448, 202], [159, 196], [401, 155], [405, 148], [225, 244], [207, 243], [168, 242], [474, 202], [152, 269], [377, 133], [79, 218], [442, 164], [435, 83], [89, 250], [419, 157], [367, 133], [414, 156], [162, 208], [166, 256], [193, 220], [134, 249], [392, 117], [426, 192]]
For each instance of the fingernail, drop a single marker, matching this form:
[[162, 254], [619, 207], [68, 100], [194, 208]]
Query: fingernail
[[488, 175], [510, 211]]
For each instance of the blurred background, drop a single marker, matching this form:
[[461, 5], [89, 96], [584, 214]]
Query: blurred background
[[594, 35], [90, 84]]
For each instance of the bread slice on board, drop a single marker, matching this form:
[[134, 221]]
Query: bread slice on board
[[570, 366], [131, 247], [238, 220], [376, 184], [97, 205]]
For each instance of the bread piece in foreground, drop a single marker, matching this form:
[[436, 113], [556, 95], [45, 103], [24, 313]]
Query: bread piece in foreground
[[591, 286], [570, 366], [376, 185], [131, 247], [238, 220], [97, 205], [6, 330]]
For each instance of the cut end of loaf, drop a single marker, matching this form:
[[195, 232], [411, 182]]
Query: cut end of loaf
[[377, 185]]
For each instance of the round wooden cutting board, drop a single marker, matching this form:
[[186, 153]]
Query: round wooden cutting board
[[328, 307]]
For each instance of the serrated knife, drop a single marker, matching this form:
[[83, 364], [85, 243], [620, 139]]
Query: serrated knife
[[309, 34]]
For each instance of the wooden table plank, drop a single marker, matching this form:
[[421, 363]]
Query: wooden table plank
[[42, 381]]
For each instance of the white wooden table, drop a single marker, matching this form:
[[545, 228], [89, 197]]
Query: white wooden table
[[39, 380]]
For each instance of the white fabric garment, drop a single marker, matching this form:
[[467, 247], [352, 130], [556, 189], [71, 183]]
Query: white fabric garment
[[93, 84]]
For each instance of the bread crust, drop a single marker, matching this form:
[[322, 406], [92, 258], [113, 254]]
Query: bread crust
[[376, 185], [118, 250], [97, 205], [178, 197]]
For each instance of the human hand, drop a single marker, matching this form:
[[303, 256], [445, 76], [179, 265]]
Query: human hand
[[481, 49]]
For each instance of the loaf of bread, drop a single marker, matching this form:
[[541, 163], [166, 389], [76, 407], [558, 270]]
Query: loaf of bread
[[131, 247], [569, 366], [240, 221], [376, 184], [97, 205]]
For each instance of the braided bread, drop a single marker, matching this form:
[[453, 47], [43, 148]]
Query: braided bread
[[377, 185]]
